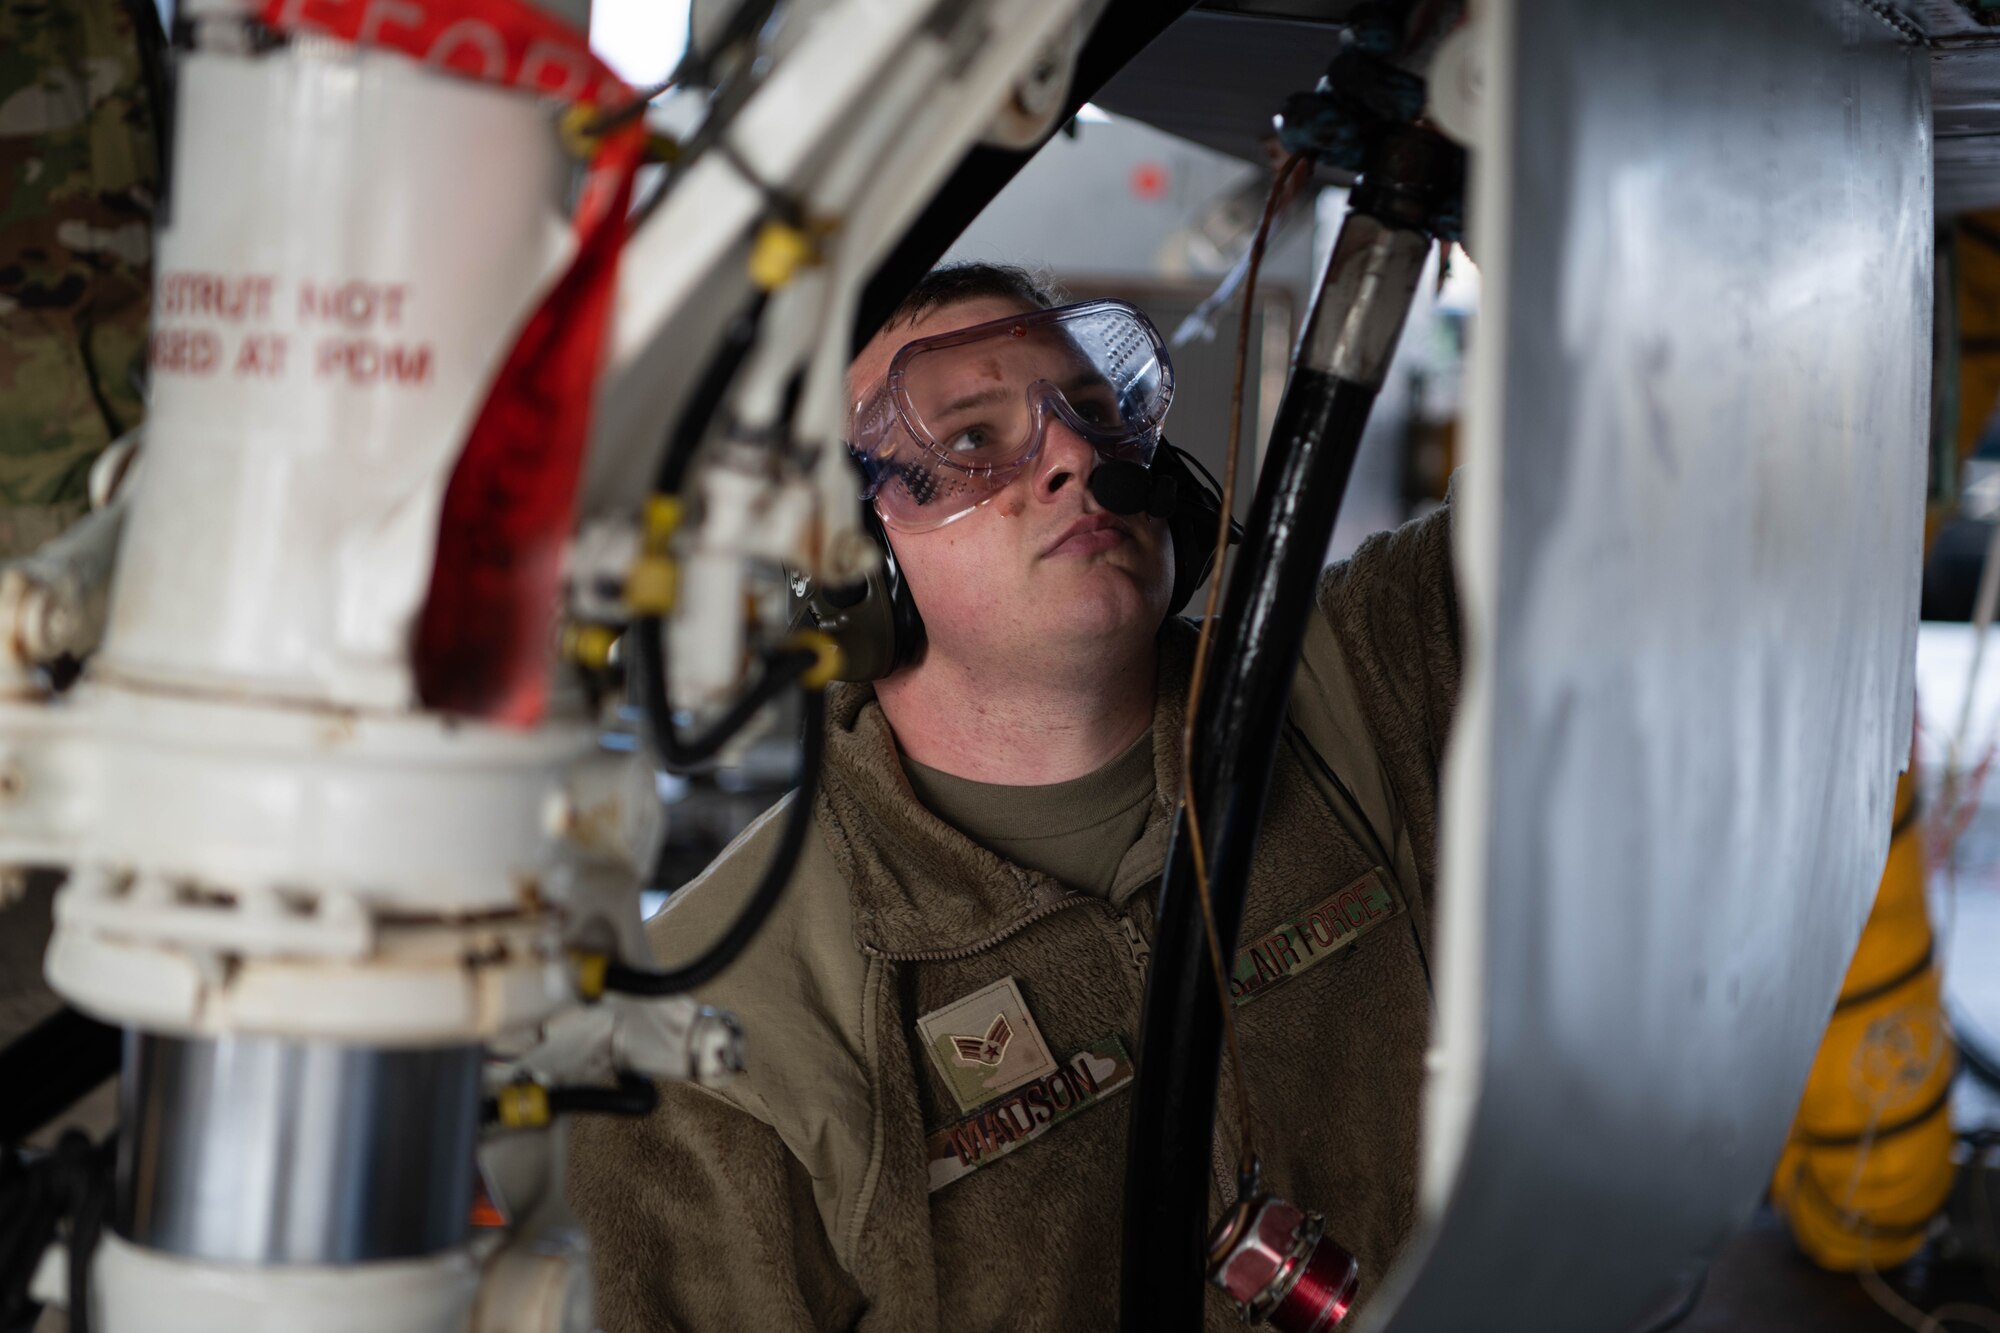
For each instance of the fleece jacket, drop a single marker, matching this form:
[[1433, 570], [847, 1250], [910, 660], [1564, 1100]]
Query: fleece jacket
[[931, 1131]]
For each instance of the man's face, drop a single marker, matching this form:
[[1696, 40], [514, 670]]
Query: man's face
[[1042, 571]]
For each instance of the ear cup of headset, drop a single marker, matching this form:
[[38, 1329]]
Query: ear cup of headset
[[875, 622], [1197, 505]]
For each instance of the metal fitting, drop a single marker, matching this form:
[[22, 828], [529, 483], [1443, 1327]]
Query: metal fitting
[[715, 1047], [1273, 1260]]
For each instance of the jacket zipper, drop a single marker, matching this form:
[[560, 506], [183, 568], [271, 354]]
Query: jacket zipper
[[1006, 932], [1135, 944]]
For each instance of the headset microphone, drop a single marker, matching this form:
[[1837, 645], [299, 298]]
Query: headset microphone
[[1125, 487]]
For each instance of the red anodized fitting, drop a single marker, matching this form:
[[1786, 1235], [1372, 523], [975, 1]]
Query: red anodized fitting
[[1275, 1262]]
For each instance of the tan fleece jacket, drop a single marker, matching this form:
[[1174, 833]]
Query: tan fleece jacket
[[857, 1177]]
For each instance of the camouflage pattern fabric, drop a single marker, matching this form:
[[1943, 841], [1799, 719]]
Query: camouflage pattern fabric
[[79, 168]]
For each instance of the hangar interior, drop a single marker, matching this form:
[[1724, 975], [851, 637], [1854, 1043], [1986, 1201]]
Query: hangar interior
[[391, 391]]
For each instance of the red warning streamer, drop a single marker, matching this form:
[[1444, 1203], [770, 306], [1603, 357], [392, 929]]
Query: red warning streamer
[[484, 638]]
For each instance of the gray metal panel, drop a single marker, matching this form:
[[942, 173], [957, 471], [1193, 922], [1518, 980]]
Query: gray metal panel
[[1689, 547], [1217, 78]]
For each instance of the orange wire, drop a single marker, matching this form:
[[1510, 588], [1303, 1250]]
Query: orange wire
[[1281, 185]]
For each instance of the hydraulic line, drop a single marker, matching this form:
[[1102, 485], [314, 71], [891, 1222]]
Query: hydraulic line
[[633, 1095], [1356, 319], [678, 753], [50, 1067], [781, 668], [777, 873], [706, 398]]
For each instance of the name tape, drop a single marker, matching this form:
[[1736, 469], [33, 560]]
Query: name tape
[[1086, 1079], [1312, 938]]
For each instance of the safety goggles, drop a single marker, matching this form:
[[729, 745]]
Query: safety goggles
[[961, 414]]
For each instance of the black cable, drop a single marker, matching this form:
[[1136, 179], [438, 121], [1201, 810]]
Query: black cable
[[38, 1193], [706, 400], [647, 639], [1677, 1316], [49, 1067], [634, 1095], [641, 99], [693, 67], [88, 1179], [1314, 442], [1973, 1058], [631, 980], [649, 680], [1236, 534]]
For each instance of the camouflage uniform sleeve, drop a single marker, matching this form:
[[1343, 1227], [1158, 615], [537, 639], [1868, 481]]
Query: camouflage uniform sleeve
[[79, 167], [699, 1218]]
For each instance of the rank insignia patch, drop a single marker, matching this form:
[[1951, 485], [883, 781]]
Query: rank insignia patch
[[1024, 1115], [986, 1044], [1322, 932]]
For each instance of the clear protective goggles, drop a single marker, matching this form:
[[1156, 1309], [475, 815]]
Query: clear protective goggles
[[961, 414]]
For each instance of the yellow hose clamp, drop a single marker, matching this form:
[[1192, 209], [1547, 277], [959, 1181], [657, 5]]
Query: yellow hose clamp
[[653, 585], [589, 646], [591, 969], [524, 1106], [576, 128], [779, 252], [662, 520], [827, 668]]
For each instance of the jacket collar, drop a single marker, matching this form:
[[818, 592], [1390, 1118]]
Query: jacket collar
[[921, 888]]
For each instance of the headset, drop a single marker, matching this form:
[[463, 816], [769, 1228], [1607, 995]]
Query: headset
[[876, 621]]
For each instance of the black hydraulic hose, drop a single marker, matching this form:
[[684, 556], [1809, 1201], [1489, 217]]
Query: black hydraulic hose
[[648, 632], [631, 980], [649, 678], [39, 1192], [705, 400], [1350, 334], [50, 1067], [1314, 442], [1973, 1057], [634, 1095], [647, 642]]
